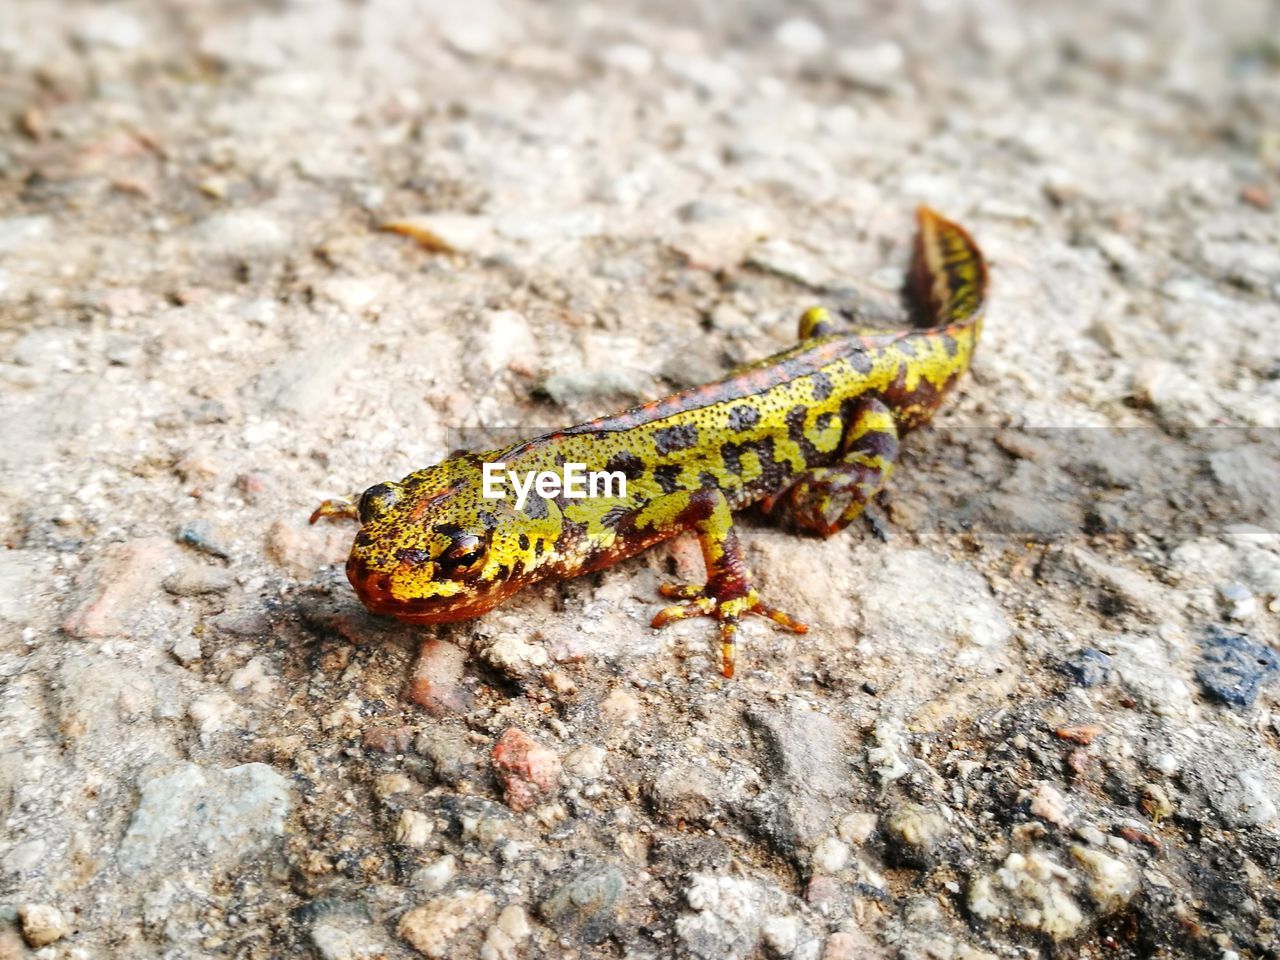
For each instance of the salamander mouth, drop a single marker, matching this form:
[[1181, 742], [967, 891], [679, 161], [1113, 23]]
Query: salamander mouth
[[374, 588]]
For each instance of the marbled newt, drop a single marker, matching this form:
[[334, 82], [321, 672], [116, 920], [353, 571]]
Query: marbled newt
[[811, 432]]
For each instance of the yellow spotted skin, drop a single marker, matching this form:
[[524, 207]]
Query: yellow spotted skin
[[811, 433]]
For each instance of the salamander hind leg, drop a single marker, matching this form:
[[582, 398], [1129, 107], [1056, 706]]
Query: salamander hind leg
[[827, 499], [728, 594]]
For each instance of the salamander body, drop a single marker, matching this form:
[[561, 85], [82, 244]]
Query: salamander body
[[812, 432]]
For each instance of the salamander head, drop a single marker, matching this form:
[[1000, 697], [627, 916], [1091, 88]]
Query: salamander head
[[429, 548]]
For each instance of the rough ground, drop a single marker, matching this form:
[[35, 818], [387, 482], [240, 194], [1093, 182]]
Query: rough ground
[[1039, 721]]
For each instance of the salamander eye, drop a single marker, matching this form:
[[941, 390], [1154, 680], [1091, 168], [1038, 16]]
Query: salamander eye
[[464, 558], [377, 500]]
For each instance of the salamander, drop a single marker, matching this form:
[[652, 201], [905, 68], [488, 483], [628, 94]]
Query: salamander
[[811, 433]]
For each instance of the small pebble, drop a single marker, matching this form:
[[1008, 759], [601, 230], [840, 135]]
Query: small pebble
[[503, 939], [879, 67], [1087, 667], [831, 855], [430, 928], [528, 771], [803, 37], [436, 681], [916, 833], [586, 901], [1233, 667], [42, 924], [586, 761], [413, 829], [436, 875], [200, 535], [855, 828], [195, 580]]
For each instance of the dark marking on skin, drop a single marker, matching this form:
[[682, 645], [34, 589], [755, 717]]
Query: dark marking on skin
[[524, 541], [708, 480], [822, 386], [681, 436], [614, 516], [860, 360], [667, 476], [795, 422], [626, 463], [364, 538], [538, 546], [950, 344], [878, 443], [731, 456], [823, 422], [743, 417], [535, 507], [503, 570], [412, 555]]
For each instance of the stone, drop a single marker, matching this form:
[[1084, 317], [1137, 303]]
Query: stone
[[413, 829], [436, 681], [205, 818], [201, 535], [587, 902], [1031, 890], [432, 927], [726, 918], [801, 37], [300, 549], [511, 654], [436, 875], [803, 761], [831, 855], [916, 834], [682, 791], [42, 924], [347, 935], [503, 339], [503, 940], [250, 235], [629, 58], [118, 588], [1087, 667], [19, 232], [1247, 800], [1109, 882], [879, 67], [952, 618], [586, 761], [856, 828], [528, 771], [195, 581], [619, 708], [1233, 668], [568, 389], [453, 758]]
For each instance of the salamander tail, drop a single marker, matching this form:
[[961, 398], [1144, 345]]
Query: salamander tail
[[947, 282]]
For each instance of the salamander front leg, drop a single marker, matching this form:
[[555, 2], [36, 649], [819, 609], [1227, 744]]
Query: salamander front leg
[[827, 499], [728, 594], [338, 509]]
